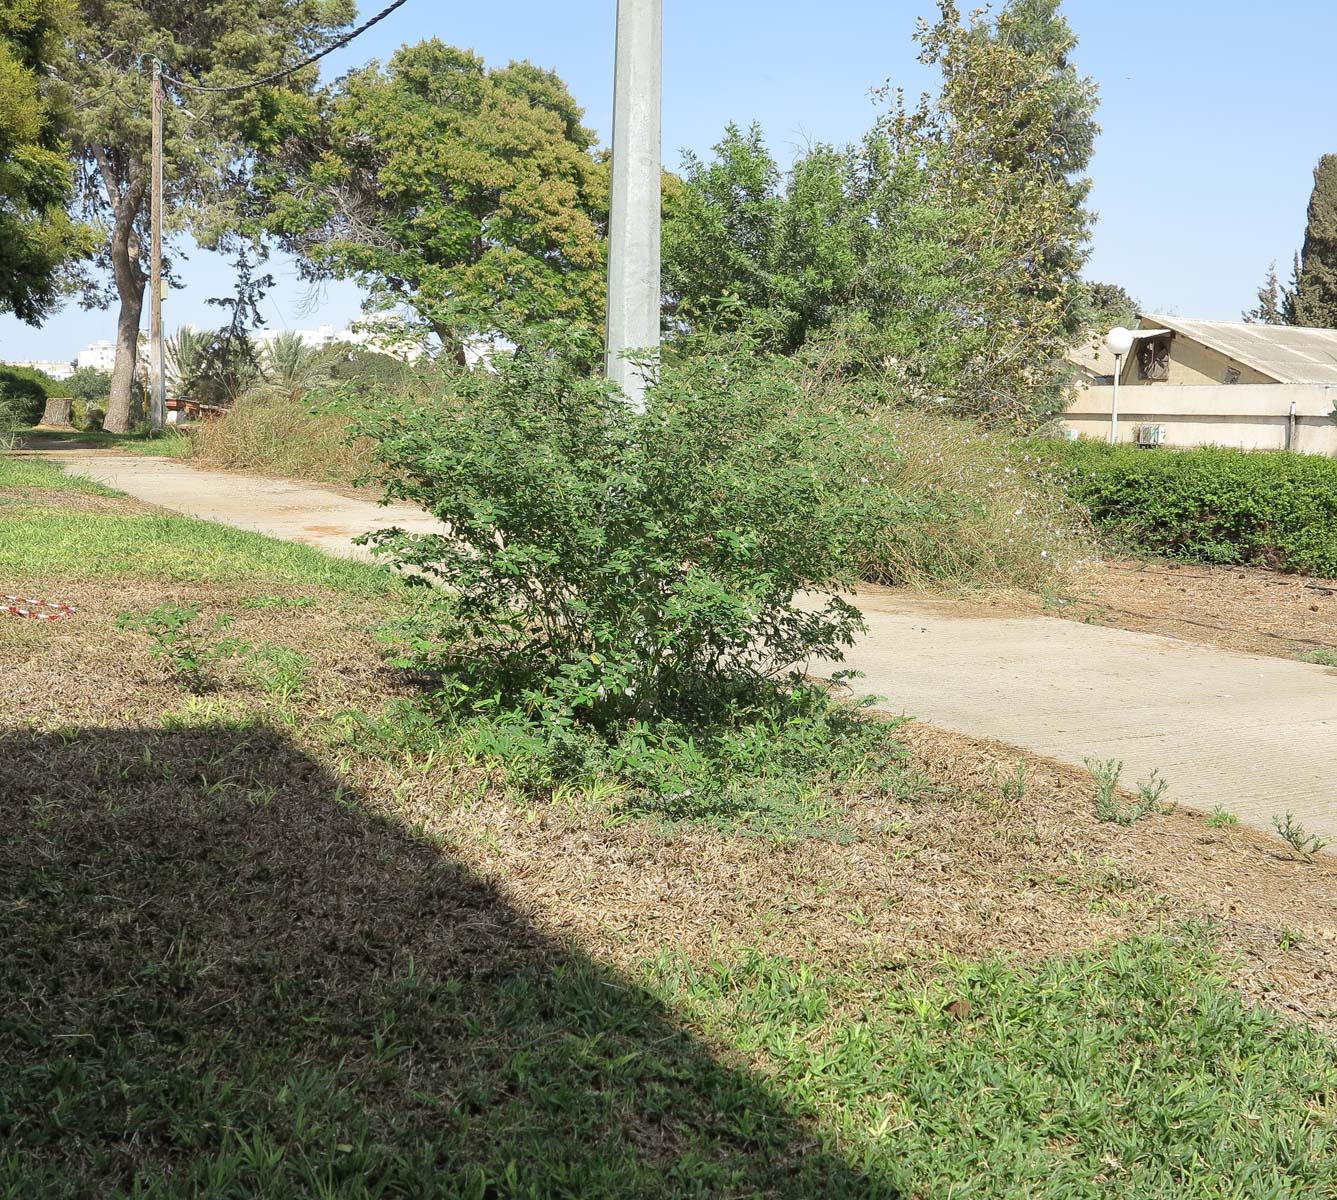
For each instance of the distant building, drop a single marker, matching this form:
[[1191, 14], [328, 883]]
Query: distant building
[[388, 339], [99, 356], [1225, 383], [50, 366]]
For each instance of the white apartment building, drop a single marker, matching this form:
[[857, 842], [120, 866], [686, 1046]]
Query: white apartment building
[[101, 356], [50, 366]]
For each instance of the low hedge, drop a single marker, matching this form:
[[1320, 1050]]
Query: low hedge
[[1265, 508]]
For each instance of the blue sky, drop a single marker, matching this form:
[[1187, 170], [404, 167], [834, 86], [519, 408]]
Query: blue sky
[[1214, 113]]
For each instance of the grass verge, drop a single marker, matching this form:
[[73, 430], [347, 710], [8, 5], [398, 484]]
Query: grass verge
[[246, 953], [226, 975], [171, 442], [44, 536]]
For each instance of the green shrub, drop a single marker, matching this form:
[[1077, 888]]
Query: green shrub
[[25, 390], [628, 583], [616, 566], [1265, 508]]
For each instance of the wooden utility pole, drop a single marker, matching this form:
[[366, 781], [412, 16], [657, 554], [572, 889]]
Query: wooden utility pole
[[633, 227], [157, 380]]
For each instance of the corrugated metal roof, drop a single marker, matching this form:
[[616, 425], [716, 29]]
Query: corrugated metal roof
[[1092, 356], [1288, 353]]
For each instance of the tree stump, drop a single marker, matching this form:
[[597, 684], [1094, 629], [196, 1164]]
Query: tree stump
[[57, 414]]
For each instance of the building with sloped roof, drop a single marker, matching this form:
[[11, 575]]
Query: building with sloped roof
[[1228, 383]]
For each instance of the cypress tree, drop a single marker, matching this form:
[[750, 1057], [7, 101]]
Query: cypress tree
[[1315, 303]]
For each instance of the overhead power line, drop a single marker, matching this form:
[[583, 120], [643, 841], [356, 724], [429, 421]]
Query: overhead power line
[[337, 44]]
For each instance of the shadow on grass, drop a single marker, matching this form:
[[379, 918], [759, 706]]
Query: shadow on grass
[[221, 975]]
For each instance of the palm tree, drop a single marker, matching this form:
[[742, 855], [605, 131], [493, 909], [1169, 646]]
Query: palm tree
[[212, 367], [289, 365], [184, 356]]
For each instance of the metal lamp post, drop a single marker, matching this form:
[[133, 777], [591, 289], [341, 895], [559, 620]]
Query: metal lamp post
[[634, 204], [1120, 340]]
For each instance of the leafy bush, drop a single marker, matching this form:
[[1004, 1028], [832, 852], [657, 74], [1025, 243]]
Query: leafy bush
[[1266, 508], [628, 577], [636, 564], [24, 391]]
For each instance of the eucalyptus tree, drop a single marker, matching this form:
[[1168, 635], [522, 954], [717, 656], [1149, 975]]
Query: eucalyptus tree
[[209, 43]]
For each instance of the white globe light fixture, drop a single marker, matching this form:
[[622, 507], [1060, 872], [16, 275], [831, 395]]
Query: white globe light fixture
[[1120, 341]]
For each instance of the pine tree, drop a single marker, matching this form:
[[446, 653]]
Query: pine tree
[[1268, 310], [1316, 283]]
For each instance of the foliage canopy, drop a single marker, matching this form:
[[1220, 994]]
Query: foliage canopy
[[1314, 303], [37, 236], [470, 195], [206, 166], [949, 240]]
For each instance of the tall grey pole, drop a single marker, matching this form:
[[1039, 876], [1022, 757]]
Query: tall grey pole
[[633, 220], [1114, 402], [157, 382]]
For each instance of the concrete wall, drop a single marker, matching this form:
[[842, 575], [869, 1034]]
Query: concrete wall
[[1239, 415]]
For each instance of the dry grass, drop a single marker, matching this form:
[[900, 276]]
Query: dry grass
[[279, 434], [977, 513], [949, 862], [246, 954]]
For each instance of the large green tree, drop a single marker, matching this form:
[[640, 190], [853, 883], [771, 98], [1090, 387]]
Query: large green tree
[[1009, 137], [1315, 300], [210, 42], [947, 245], [37, 236], [470, 195], [745, 246]]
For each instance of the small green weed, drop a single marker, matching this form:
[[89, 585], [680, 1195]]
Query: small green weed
[[1108, 807], [1221, 819], [1013, 788], [191, 652], [279, 671], [1288, 939], [1322, 657], [1298, 837]]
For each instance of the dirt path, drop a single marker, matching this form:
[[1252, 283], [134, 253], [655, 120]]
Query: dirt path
[[1254, 734]]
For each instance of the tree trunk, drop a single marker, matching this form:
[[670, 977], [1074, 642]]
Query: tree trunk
[[57, 414], [121, 403], [130, 281]]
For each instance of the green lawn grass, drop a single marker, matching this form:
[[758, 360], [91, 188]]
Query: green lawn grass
[[170, 442], [37, 475], [40, 539], [54, 544]]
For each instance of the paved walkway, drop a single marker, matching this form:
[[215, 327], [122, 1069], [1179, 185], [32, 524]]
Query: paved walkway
[[296, 512], [1256, 735]]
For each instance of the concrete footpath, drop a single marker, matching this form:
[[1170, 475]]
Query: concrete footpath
[[1256, 735], [296, 512]]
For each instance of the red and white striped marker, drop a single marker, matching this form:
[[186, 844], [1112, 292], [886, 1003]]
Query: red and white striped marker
[[37, 610]]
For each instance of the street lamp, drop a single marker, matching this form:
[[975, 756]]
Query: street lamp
[[1119, 340], [634, 203]]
